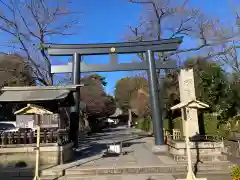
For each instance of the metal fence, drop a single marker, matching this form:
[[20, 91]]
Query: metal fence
[[29, 137]]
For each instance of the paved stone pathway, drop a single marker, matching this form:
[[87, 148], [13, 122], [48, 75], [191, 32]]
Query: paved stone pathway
[[138, 155], [139, 163]]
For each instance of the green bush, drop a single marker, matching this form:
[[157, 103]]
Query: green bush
[[235, 123], [236, 172], [144, 124], [214, 128], [139, 124], [166, 124], [210, 124], [176, 123], [147, 124], [222, 131]]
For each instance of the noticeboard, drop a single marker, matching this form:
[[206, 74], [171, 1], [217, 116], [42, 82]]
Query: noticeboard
[[30, 121]]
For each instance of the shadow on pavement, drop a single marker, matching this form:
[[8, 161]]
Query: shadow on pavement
[[15, 173], [97, 144], [96, 149], [110, 138], [128, 144], [112, 130], [91, 150]]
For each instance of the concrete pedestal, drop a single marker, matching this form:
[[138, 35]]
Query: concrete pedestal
[[50, 154], [160, 149], [208, 151]]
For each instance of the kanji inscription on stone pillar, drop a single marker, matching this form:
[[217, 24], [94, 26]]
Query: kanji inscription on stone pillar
[[187, 93]]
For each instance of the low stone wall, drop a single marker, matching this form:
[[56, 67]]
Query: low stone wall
[[202, 151], [232, 147], [179, 147], [50, 154]]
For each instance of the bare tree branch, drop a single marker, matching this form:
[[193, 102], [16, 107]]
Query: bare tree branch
[[31, 23], [187, 22]]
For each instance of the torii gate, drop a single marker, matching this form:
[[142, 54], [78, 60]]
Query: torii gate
[[147, 48]]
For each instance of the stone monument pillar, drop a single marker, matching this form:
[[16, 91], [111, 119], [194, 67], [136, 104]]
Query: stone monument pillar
[[187, 94]]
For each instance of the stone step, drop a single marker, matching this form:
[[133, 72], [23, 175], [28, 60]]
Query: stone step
[[53, 172], [166, 169], [210, 176], [157, 176], [218, 167], [122, 177], [201, 158], [81, 173]]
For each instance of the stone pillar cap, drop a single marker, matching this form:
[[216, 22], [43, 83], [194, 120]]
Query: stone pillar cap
[[191, 104]]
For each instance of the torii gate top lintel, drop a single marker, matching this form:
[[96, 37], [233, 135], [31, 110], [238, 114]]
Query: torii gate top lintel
[[108, 48]]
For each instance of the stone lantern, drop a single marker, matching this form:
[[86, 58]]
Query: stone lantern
[[186, 116]]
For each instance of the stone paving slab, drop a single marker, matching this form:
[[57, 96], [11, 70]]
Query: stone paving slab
[[145, 157], [123, 177], [208, 176], [126, 170], [138, 154], [138, 177], [163, 169], [165, 159], [58, 170]]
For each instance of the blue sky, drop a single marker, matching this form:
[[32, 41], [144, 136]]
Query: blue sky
[[106, 20]]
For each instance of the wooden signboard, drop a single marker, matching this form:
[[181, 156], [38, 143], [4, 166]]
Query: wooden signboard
[[30, 121]]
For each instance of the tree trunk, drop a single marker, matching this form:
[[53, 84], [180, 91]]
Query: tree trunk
[[86, 123], [82, 126], [129, 117]]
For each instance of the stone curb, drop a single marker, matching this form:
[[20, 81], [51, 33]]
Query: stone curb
[[180, 168], [146, 170], [225, 167]]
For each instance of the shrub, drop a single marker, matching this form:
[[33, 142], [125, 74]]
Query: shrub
[[166, 124], [210, 124], [234, 124], [147, 124], [236, 172], [144, 124], [139, 124], [222, 131], [214, 127], [177, 123]]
